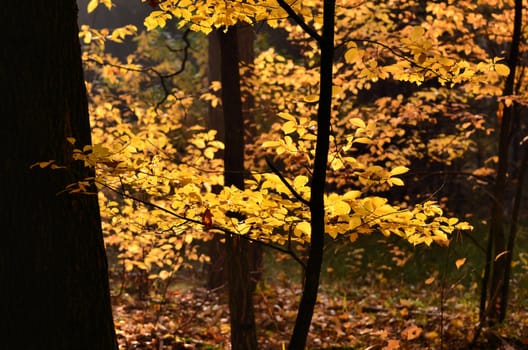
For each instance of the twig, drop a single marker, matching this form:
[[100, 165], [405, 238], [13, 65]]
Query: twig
[[283, 180], [198, 222], [299, 20]]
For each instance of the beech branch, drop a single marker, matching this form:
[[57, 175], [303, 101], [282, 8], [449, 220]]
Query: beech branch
[[299, 20], [288, 251], [286, 183], [162, 77]]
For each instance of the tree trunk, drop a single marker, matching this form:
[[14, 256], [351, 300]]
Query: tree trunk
[[243, 328], [217, 276], [494, 287], [53, 267], [317, 209]]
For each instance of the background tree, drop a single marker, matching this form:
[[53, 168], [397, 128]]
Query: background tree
[[237, 259], [53, 267], [495, 283]]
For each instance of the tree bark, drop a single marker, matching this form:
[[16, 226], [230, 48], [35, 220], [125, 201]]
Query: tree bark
[[53, 267], [492, 308], [317, 208], [217, 276], [241, 287]]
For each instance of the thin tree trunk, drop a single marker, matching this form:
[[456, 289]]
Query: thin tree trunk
[[495, 271], [513, 233], [317, 211], [53, 268]]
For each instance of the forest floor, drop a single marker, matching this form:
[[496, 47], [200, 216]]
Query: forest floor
[[372, 308]]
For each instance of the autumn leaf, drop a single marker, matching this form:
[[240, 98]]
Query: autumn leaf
[[502, 69], [460, 262], [411, 333], [392, 344], [207, 219]]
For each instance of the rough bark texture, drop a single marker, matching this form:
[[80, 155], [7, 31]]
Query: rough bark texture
[[53, 267], [243, 328], [317, 211]]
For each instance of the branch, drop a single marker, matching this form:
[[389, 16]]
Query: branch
[[199, 222], [299, 20], [399, 54], [161, 77], [283, 180]]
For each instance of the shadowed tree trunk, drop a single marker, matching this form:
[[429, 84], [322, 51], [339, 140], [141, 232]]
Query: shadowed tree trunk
[[54, 286], [240, 285], [217, 275], [494, 290]]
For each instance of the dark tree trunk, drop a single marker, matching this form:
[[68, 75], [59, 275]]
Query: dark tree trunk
[[494, 287], [54, 286], [217, 275], [243, 328], [317, 209]]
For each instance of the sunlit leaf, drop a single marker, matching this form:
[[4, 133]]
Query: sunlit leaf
[[502, 69], [460, 262], [430, 280]]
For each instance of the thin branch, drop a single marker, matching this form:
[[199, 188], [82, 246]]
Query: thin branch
[[162, 77], [198, 222], [283, 180], [299, 20], [399, 54]]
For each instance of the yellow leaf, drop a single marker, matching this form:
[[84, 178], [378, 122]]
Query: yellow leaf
[[87, 37], [460, 262], [209, 153], [340, 208], [164, 274], [354, 222], [353, 54], [399, 170], [351, 195], [430, 280], [311, 99], [336, 164], [364, 140], [300, 181], [286, 116], [417, 33], [92, 5], [358, 122], [289, 127], [502, 69], [452, 221], [271, 143], [431, 335], [336, 90], [303, 227], [395, 181]]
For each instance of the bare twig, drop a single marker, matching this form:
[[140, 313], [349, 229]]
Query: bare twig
[[299, 20]]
